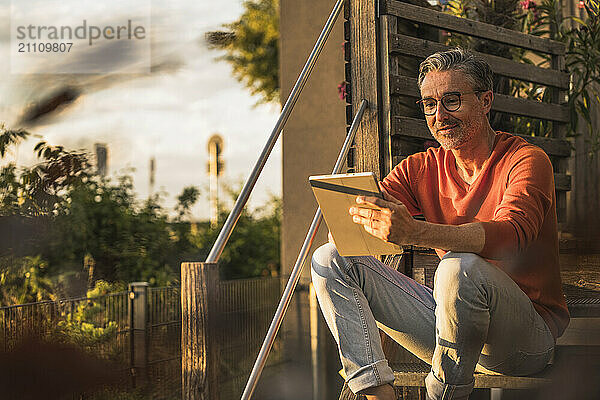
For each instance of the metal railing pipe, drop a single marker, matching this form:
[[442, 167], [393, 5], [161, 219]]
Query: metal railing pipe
[[219, 244], [261, 360]]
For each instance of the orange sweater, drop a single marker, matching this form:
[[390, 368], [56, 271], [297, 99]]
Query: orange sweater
[[513, 197]]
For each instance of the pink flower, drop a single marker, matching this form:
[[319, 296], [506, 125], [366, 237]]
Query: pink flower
[[341, 88], [527, 4]]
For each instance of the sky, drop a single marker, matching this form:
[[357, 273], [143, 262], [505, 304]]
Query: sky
[[168, 115]]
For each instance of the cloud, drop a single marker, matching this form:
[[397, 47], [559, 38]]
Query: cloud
[[168, 114]]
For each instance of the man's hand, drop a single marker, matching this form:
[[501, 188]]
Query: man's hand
[[391, 221], [388, 220]]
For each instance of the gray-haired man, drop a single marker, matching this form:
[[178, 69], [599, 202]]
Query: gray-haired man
[[488, 199]]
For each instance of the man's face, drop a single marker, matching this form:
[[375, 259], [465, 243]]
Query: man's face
[[452, 129]]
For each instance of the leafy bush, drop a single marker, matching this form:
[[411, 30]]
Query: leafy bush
[[23, 280]]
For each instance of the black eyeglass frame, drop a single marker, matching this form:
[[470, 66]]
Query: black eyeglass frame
[[441, 100]]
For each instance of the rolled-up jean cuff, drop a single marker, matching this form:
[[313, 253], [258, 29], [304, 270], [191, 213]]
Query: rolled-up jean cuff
[[437, 390], [376, 374]]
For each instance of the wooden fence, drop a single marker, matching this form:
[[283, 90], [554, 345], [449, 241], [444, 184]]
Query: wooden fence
[[393, 37]]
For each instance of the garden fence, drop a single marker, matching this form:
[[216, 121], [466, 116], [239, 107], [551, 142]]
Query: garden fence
[[140, 329]]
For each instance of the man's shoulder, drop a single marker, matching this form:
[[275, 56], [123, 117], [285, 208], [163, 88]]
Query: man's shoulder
[[515, 149], [431, 155]]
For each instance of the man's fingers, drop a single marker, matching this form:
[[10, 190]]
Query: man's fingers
[[363, 220], [366, 212], [371, 200]]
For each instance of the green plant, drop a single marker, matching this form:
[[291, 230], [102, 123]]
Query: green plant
[[24, 280], [251, 45], [86, 334], [91, 324], [582, 39], [39, 190], [253, 248], [8, 137]]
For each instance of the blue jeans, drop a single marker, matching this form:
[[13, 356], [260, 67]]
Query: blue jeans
[[476, 317]]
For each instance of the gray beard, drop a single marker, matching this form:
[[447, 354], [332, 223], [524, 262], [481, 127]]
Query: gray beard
[[450, 142]]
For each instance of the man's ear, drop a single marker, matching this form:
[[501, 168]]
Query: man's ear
[[487, 98]]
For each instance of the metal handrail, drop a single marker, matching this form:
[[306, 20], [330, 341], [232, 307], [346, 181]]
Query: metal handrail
[[261, 360], [233, 217]]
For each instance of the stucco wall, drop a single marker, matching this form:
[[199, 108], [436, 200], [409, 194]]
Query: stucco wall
[[315, 131]]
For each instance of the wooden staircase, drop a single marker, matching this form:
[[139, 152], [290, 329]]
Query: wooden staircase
[[578, 349]]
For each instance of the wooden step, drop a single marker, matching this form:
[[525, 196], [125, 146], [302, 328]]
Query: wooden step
[[580, 332], [413, 374]]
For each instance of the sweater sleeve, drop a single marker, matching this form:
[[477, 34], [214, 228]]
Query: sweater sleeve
[[400, 182], [526, 202]]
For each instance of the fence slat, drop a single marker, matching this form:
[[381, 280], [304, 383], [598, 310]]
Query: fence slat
[[417, 128], [402, 44], [470, 27], [405, 86]]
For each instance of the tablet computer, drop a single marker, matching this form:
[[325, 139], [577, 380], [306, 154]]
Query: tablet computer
[[335, 195]]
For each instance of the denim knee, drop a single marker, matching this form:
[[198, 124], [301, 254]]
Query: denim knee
[[458, 268], [459, 277], [324, 260], [324, 264], [325, 255]]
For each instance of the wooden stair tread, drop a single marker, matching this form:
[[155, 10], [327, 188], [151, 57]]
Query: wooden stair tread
[[413, 374]]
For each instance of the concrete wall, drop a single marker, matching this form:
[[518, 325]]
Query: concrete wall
[[316, 129], [312, 138]]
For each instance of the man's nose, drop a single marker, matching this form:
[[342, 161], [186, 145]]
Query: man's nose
[[441, 114]]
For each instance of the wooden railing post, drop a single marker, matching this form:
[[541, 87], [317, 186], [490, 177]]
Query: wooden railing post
[[199, 301], [363, 49]]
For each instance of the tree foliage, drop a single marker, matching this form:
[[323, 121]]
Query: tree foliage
[[127, 241], [99, 231], [186, 200], [24, 280], [253, 248], [8, 137], [251, 45]]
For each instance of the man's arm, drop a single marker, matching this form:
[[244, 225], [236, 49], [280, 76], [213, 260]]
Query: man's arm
[[393, 223], [465, 238]]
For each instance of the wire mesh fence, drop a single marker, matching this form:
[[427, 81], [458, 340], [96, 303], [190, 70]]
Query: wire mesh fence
[[99, 324], [36, 334], [103, 327], [246, 309], [164, 343]]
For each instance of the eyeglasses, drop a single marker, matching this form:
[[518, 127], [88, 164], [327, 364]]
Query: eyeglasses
[[450, 101]]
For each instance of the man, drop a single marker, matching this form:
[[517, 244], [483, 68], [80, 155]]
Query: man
[[489, 204]]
